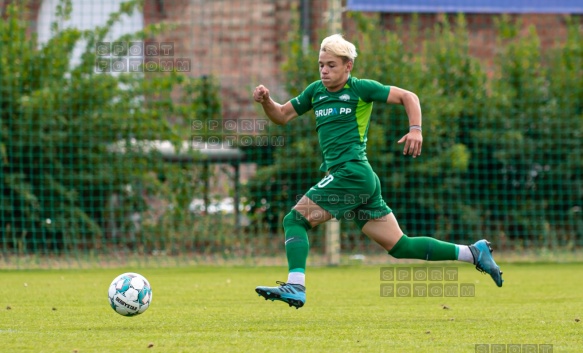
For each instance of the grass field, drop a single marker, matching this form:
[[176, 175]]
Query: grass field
[[215, 309]]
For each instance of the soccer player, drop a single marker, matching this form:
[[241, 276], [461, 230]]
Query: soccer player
[[343, 105]]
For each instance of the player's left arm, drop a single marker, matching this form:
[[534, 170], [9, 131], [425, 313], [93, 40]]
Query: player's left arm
[[413, 139]]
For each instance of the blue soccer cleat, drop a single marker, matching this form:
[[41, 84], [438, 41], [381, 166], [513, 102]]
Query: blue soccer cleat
[[293, 294], [484, 262]]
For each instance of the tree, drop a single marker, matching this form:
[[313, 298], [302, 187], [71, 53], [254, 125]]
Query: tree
[[58, 123]]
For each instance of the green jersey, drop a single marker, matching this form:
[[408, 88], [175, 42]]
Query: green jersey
[[342, 118]]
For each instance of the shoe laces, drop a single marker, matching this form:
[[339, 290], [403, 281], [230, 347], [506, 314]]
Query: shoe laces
[[285, 284]]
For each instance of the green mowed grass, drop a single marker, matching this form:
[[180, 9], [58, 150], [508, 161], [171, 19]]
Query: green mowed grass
[[215, 309]]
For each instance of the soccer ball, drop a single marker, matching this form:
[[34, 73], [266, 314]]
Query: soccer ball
[[130, 294]]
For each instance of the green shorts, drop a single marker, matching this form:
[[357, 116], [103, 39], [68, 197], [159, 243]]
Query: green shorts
[[351, 191]]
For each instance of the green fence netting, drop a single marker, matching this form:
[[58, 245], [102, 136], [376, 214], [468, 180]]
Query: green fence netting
[[129, 134]]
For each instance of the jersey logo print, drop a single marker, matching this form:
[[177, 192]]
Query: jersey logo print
[[322, 97], [344, 97], [331, 111]]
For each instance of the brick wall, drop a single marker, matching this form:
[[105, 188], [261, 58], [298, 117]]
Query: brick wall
[[482, 33], [32, 13], [240, 41], [236, 41]]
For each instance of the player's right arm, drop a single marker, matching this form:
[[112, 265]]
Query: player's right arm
[[280, 114]]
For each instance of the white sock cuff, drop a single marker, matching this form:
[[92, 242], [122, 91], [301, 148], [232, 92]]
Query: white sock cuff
[[296, 278], [465, 254]]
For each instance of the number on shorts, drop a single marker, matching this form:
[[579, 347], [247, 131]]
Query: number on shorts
[[327, 179]]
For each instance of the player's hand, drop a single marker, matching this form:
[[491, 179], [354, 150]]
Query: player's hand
[[413, 141], [261, 94]]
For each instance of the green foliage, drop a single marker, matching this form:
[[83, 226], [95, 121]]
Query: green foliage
[[62, 184], [502, 151]]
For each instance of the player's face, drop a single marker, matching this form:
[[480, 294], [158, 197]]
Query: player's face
[[333, 71]]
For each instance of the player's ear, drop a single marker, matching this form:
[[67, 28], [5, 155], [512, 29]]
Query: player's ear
[[349, 66]]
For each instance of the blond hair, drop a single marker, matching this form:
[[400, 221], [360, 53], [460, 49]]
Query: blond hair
[[337, 45]]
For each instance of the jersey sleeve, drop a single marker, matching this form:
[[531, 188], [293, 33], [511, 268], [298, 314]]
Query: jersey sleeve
[[373, 91], [303, 103]]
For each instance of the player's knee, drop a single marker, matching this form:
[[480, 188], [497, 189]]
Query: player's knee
[[294, 218], [400, 250], [288, 220]]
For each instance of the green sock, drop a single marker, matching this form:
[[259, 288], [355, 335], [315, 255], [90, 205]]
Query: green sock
[[424, 248], [296, 240]]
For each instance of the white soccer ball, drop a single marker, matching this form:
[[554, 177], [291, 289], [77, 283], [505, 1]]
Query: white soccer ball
[[130, 294]]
